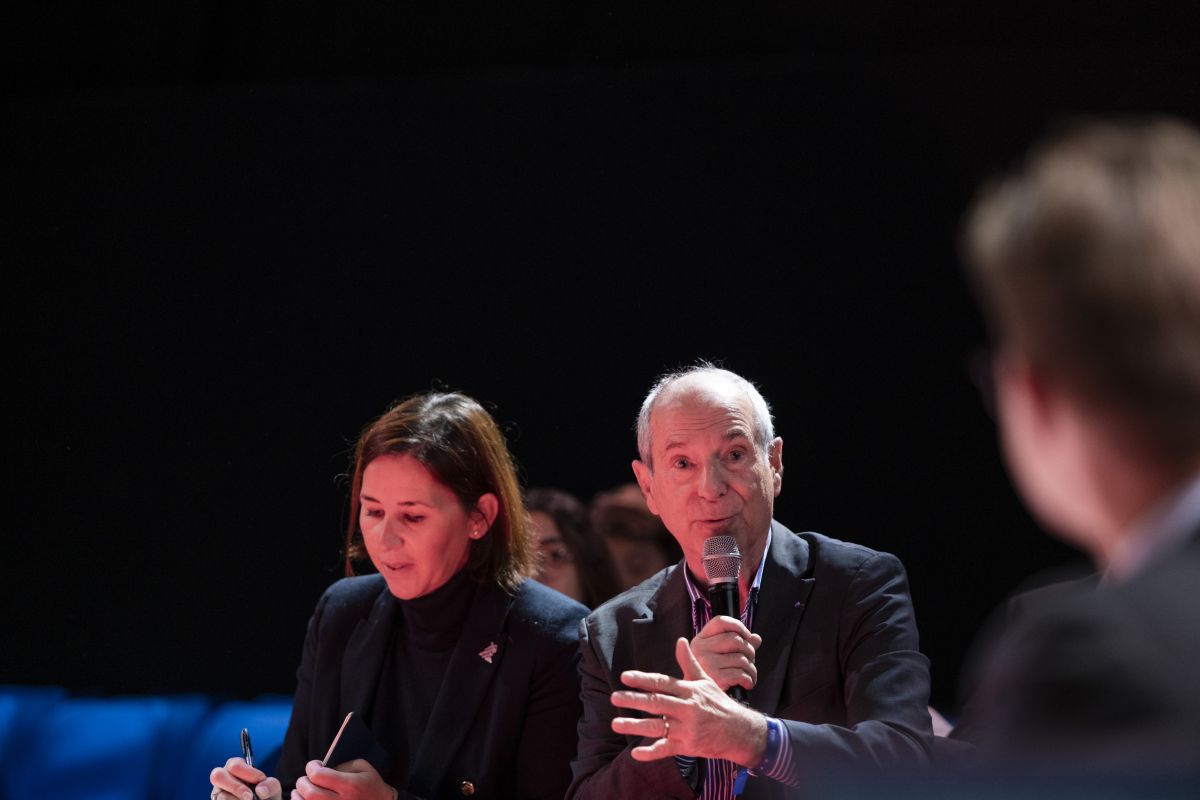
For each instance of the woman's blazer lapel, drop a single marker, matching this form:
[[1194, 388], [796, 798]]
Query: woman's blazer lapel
[[363, 658], [479, 654]]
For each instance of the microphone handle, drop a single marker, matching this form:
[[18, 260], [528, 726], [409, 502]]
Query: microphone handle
[[723, 597]]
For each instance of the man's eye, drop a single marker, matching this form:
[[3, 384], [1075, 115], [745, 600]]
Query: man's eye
[[737, 455], [413, 518], [680, 463]]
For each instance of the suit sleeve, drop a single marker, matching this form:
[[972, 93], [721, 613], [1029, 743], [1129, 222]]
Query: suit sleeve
[[603, 767], [885, 682], [547, 739], [295, 753]]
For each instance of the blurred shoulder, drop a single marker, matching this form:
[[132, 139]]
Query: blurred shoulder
[[637, 601], [830, 554], [543, 610]]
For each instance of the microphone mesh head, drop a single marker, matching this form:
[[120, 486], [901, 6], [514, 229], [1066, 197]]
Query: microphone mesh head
[[722, 561]]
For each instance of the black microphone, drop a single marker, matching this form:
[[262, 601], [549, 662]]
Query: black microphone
[[722, 566]]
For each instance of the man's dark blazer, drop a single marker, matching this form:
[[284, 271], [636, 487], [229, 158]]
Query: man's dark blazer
[[507, 727], [1103, 678], [839, 663]]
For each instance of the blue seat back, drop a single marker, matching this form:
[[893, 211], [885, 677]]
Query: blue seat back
[[21, 710], [218, 739], [104, 749]]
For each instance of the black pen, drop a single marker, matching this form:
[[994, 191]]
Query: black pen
[[247, 751]]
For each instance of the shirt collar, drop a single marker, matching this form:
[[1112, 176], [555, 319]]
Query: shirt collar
[[1161, 529], [696, 593]]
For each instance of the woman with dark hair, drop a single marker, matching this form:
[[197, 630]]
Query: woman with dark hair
[[462, 668], [571, 558], [638, 543]]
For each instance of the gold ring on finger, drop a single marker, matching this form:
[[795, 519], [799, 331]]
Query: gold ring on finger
[[666, 727]]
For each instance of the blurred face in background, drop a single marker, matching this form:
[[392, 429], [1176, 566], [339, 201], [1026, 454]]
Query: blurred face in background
[[416, 531], [638, 543], [556, 565], [635, 559]]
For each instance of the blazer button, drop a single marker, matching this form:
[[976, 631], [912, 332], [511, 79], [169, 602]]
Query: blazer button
[[467, 788]]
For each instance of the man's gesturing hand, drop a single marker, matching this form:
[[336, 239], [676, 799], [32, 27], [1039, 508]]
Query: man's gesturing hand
[[691, 717], [725, 649]]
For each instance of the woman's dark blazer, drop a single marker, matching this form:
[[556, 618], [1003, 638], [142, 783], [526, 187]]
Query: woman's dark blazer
[[503, 724]]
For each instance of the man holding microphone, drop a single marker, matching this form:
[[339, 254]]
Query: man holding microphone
[[823, 645]]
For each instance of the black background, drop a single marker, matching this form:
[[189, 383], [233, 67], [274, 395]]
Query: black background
[[238, 231]]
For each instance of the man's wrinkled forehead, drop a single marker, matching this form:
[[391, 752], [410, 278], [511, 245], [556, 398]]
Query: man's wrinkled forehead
[[684, 411]]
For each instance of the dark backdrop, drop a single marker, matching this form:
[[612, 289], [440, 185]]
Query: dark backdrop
[[238, 231]]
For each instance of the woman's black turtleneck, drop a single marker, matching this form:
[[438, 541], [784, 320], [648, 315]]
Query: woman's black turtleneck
[[426, 632]]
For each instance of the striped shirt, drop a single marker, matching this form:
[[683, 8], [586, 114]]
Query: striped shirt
[[719, 775]]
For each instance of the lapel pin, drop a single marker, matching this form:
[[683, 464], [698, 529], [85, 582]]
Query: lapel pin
[[489, 651]]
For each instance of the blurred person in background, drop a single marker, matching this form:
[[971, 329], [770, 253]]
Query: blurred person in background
[[1087, 263], [637, 540], [463, 669], [571, 557]]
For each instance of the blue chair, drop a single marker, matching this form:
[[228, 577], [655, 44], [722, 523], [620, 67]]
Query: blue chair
[[218, 739], [187, 714], [21, 709], [105, 749]]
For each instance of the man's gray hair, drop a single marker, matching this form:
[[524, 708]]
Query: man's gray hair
[[764, 426]]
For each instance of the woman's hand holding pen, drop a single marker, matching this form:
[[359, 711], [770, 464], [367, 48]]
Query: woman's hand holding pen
[[354, 780], [230, 782]]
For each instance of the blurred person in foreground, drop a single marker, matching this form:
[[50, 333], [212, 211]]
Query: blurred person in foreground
[[463, 669], [571, 557], [639, 544], [1087, 262], [825, 646]]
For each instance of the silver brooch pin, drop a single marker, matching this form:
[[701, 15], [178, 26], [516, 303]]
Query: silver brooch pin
[[489, 651]]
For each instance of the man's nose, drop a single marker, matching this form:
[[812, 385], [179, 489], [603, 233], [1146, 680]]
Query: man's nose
[[713, 483]]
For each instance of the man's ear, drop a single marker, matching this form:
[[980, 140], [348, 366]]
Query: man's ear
[[775, 459], [1046, 397], [1023, 391], [644, 476]]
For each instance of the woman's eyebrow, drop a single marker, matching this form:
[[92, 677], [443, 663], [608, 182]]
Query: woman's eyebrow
[[368, 499]]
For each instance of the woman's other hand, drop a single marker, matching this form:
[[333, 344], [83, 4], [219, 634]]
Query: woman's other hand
[[230, 782], [354, 780]]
